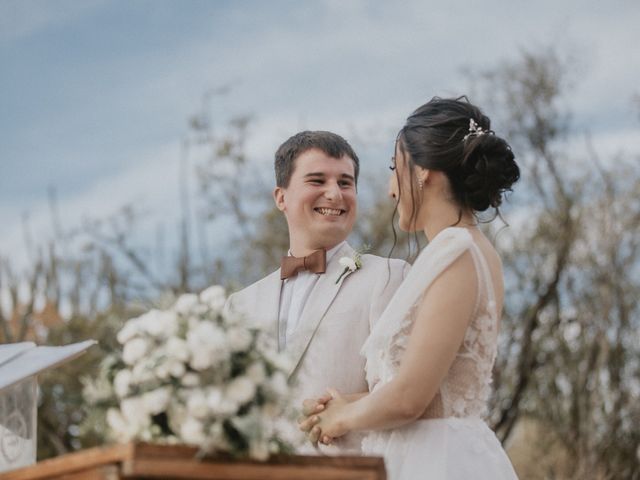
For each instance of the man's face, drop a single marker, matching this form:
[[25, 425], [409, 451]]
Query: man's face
[[320, 202]]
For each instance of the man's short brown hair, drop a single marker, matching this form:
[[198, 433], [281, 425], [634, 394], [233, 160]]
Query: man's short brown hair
[[330, 143]]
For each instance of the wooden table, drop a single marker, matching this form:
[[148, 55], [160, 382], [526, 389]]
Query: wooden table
[[141, 461]]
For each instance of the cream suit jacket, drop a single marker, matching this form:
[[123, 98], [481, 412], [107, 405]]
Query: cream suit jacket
[[335, 322]]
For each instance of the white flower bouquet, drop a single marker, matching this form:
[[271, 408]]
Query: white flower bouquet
[[194, 374]]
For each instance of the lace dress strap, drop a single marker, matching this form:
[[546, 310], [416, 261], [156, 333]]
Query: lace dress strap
[[456, 395], [379, 350], [485, 281]]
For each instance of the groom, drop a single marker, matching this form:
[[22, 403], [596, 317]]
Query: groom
[[320, 311]]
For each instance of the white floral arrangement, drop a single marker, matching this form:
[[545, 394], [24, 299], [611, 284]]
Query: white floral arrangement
[[197, 375]]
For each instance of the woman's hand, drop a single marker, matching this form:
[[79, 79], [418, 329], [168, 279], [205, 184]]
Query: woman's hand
[[331, 422], [308, 422], [315, 405]]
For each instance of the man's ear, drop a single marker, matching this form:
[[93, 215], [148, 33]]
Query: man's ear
[[278, 197]]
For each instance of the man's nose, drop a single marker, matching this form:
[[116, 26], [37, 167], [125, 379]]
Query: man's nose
[[332, 191]]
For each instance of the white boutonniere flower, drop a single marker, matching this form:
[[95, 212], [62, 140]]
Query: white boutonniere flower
[[350, 264]]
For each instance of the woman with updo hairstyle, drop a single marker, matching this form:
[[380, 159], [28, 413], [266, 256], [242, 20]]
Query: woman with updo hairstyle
[[430, 356], [455, 138]]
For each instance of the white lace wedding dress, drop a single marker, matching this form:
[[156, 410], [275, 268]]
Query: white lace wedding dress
[[453, 442]]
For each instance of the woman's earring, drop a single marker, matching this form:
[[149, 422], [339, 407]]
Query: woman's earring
[[420, 183]]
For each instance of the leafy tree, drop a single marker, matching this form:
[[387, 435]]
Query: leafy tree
[[569, 352]]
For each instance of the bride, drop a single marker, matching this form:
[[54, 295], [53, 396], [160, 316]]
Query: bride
[[430, 356]]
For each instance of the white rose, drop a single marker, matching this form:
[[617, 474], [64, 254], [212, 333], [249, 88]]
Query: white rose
[[201, 309], [190, 379], [134, 350], [157, 400], [265, 344], [135, 413], [121, 382], [348, 263], [178, 348], [130, 330], [200, 359], [119, 426], [192, 322], [217, 435], [214, 297], [214, 398], [256, 372], [176, 368], [197, 405], [219, 404], [141, 373], [132, 408], [259, 449], [281, 361], [169, 322], [239, 339], [241, 390], [288, 431], [158, 323], [162, 371], [191, 431], [208, 345], [206, 333], [227, 407], [278, 384], [185, 303], [149, 322]]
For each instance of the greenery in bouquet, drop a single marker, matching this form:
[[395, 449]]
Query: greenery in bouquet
[[198, 375]]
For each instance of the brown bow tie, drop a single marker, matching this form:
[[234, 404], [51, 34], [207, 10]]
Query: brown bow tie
[[316, 263]]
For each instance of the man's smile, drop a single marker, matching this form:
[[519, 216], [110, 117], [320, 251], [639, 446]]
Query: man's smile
[[329, 212]]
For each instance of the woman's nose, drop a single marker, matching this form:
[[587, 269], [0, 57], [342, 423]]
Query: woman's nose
[[391, 191]]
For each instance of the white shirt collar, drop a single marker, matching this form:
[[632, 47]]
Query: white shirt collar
[[330, 253]]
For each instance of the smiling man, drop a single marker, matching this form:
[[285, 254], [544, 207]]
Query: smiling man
[[319, 315]]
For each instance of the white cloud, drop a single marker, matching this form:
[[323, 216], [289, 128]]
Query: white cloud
[[608, 146], [19, 19], [150, 184]]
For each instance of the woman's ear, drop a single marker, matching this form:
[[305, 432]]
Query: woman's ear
[[423, 175]]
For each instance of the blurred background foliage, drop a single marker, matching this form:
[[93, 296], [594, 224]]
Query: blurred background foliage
[[567, 380]]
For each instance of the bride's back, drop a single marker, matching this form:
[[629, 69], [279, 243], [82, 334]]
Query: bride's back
[[465, 390]]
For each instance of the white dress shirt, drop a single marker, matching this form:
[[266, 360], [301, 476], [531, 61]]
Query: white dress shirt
[[293, 297]]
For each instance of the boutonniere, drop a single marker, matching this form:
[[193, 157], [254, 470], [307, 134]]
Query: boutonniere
[[350, 264]]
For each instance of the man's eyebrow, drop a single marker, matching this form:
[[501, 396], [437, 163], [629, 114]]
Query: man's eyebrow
[[322, 175]]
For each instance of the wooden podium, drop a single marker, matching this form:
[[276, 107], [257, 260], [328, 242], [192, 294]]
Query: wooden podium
[[142, 461]]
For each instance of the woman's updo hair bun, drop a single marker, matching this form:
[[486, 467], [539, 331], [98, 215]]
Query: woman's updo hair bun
[[488, 170], [455, 137]]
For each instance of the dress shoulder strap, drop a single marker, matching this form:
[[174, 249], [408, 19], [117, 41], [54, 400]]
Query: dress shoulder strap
[[441, 252], [484, 277]]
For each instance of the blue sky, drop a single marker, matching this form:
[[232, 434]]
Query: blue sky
[[95, 95]]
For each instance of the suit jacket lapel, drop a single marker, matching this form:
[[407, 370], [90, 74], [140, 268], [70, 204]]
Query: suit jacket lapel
[[266, 304], [319, 301]]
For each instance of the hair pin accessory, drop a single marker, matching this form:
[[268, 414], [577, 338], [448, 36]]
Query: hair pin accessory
[[474, 130]]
